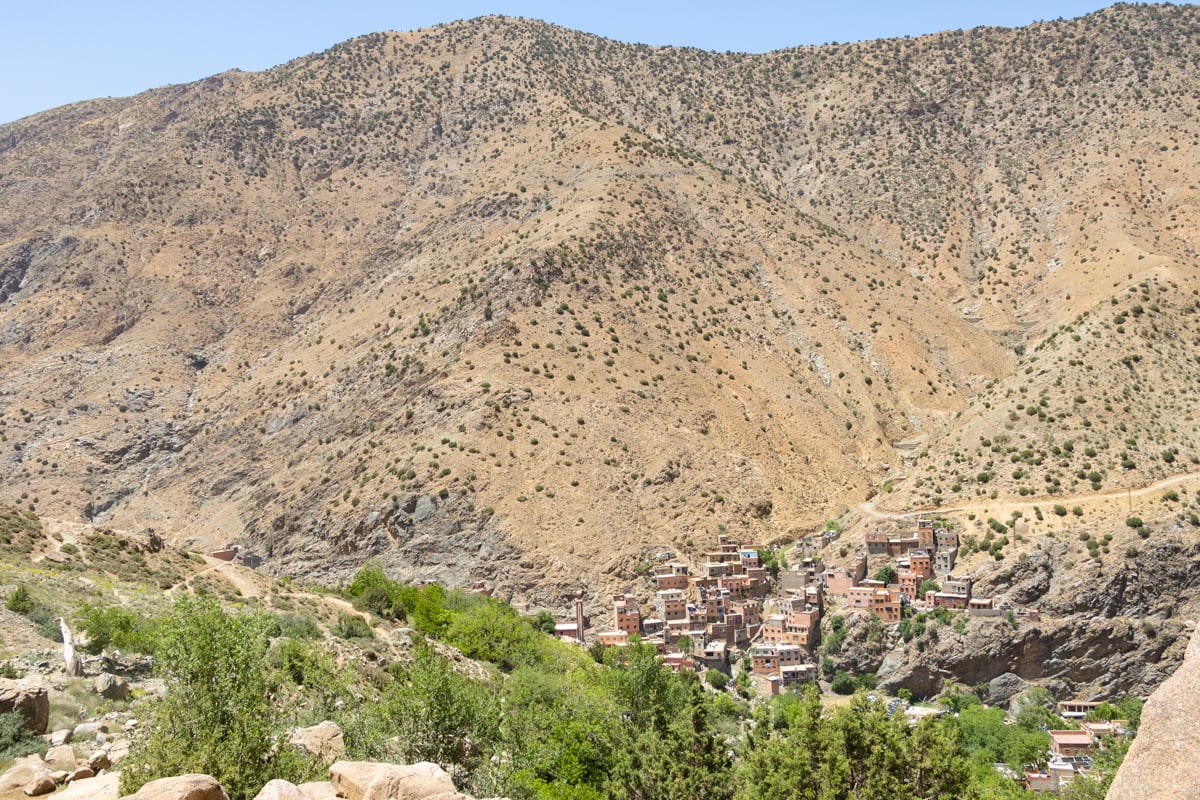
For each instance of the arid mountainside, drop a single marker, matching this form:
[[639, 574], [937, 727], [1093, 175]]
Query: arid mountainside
[[502, 301]]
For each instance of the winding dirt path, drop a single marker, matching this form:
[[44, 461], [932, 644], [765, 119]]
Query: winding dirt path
[[1010, 504]]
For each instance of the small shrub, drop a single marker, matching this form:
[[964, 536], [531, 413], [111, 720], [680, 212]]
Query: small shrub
[[19, 602], [117, 627], [298, 626], [15, 739], [351, 626], [842, 683]]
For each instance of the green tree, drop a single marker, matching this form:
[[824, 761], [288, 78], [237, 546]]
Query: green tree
[[15, 738], [371, 590], [842, 683], [558, 735], [684, 760], [116, 626], [440, 714], [19, 601], [856, 751], [216, 715], [772, 561], [940, 769], [787, 765], [874, 748], [651, 695], [1035, 711], [886, 574], [544, 622], [493, 631]]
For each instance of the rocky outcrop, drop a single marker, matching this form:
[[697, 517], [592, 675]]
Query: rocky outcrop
[[1003, 688], [182, 787], [348, 780], [366, 780], [1161, 763], [103, 787], [420, 537], [1104, 630], [1089, 655], [323, 740], [41, 783], [279, 789], [34, 777], [31, 702], [112, 687], [21, 773]]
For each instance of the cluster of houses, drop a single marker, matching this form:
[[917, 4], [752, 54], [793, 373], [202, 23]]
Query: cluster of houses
[[1071, 751], [730, 605], [700, 618]]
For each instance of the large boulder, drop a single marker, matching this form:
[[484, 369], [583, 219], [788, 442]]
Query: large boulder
[[21, 773], [182, 787], [318, 790], [1003, 688], [1161, 763], [323, 740], [105, 787], [80, 774], [279, 789], [112, 687], [41, 783], [368, 780], [118, 749], [99, 760], [31, 702], [61, 757]]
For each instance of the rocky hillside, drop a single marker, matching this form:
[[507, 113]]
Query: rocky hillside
[[502, 301]]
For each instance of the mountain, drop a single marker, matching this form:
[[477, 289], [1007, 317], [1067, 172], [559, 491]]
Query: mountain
[[506, 302]]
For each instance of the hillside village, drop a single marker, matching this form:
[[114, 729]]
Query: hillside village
[[730, 605], [731, 609]]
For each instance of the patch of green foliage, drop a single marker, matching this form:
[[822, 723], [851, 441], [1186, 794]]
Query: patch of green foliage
[[15, 738], [20, 532], [117, 627], [352, 626], [44, 618], [216, 716], [533, 717], [798, 751]]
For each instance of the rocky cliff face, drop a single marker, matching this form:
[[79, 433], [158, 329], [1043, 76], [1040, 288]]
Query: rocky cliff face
[[1161, 763], [1102, 630]]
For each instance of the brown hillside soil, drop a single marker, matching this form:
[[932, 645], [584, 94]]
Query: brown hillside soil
[[500, 301]]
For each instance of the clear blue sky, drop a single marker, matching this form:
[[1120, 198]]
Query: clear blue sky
[[53, 52]]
